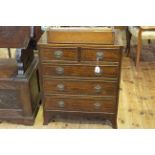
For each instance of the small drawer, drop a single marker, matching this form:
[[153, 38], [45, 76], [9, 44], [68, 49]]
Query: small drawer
[[80, 104], [79, 70], [79, 87], [58, 54], [101, 54]]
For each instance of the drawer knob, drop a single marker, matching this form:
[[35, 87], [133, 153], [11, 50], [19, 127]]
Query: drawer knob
[[60, 87], [98, 88], [58, 54], [61, 104], [60, 70], [99, 55], [97, 105]]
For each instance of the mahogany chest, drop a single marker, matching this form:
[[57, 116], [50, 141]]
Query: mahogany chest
[[80, 79]]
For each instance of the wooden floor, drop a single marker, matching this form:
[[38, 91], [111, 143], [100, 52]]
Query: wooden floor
[[136, 101], [137, 93]]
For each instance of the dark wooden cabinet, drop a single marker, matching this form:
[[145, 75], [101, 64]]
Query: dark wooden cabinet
[[14, 36], [20, 97], [19, 78], [71, 87]]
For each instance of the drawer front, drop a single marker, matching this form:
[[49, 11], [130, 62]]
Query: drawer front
[[93, 54], [82, 87], [68, 54], [80, 104], [79, 70]]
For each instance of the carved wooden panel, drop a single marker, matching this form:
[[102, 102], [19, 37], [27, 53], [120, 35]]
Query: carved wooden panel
[[9, 99]]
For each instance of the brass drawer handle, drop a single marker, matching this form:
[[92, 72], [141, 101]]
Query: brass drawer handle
[[97, 105], [61, 87], [98, 88], [61, 104], [60, 70], [58, 54], [99, 55]]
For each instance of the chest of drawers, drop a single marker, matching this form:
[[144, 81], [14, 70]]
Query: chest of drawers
[[70, 85]]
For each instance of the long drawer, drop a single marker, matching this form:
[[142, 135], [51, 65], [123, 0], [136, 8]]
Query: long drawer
[[107, 105], [59, 54], [79, 87], [101, 54], [79, 70]]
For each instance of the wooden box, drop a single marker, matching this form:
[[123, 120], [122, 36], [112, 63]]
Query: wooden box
[[90, 35], [19, 97]]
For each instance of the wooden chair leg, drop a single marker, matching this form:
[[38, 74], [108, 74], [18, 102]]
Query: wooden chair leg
[[128, 39], [139, 48], [9, 52]]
